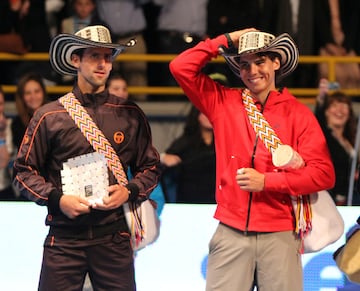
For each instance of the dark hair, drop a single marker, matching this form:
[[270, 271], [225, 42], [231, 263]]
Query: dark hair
[[79, 52], [115, 76], [192, 128], [272, 56], [73, 2], [23, 110], [350, 126]]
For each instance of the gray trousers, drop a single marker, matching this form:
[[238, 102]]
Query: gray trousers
[[236, 260]]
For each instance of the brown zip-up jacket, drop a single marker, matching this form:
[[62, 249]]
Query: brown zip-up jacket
[[52, 137]]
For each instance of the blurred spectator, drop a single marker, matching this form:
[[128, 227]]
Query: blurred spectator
[[56, 10], [338, 34], [36, 34], [117, 85], [6, 153], [11, 14], [233, 16], [297, 17], [83, 14], [336, 116], [236, 14], [30, 95], [181, 25], [126, 20], [189, 162], [189, 175], [11, 38]]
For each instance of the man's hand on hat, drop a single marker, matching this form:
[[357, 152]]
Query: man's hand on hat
[[235, 35]]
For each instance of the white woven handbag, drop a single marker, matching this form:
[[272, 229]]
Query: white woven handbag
[[327, 225], [318, 221], [144, 218]]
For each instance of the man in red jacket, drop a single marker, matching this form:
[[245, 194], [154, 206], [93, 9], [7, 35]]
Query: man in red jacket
[[256, 235]]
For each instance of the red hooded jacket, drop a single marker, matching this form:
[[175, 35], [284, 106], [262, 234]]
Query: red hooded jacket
[[237, 146]]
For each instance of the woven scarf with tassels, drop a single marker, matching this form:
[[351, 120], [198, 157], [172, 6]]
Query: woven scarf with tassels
[[271, 141]]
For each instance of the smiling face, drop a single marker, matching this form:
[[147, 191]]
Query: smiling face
[[33, 95], [337, 114], [258, 74]]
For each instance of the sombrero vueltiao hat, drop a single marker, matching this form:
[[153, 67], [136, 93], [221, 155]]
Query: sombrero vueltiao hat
[[63, 45], [261, 42]]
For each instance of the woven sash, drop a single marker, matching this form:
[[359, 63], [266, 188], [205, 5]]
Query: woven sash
[[94, 135], [259, 123], [101, 144], [271, 141]]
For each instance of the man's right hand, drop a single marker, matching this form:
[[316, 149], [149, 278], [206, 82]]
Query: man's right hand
[[73, 206]]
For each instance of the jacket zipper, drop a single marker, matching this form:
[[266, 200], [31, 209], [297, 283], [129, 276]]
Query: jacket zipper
[[251, 193], [253, 166]]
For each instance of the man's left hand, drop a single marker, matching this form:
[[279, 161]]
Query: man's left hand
[[250, 180], [118, 195]]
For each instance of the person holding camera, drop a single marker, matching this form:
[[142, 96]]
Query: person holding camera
[[335, 113]]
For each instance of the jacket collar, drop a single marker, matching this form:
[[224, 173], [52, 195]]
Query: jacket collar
[[87, 99], [278, 96]]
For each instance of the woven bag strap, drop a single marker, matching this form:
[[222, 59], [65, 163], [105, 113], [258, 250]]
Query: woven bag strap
[[261, 127]]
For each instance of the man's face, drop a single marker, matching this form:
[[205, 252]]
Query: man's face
[[258, 72], [93, 69]]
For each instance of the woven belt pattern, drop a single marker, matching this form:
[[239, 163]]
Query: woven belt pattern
[[259, 123], [94, 135]]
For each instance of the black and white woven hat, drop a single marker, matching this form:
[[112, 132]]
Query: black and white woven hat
[[259, 42], [63, 45]]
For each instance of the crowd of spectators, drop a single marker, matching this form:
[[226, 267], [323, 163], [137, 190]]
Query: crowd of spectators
[[323, 27], [326, 27]]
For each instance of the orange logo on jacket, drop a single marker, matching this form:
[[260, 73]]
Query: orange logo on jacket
[[26, 139], [119, 137]]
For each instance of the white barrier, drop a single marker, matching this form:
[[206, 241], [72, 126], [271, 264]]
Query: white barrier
[[175, 262]]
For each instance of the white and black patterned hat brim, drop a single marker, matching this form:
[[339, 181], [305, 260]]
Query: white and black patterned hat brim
[[63, 45], [283, 45]]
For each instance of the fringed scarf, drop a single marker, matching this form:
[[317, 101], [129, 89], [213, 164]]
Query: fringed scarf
[[301, 204]]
